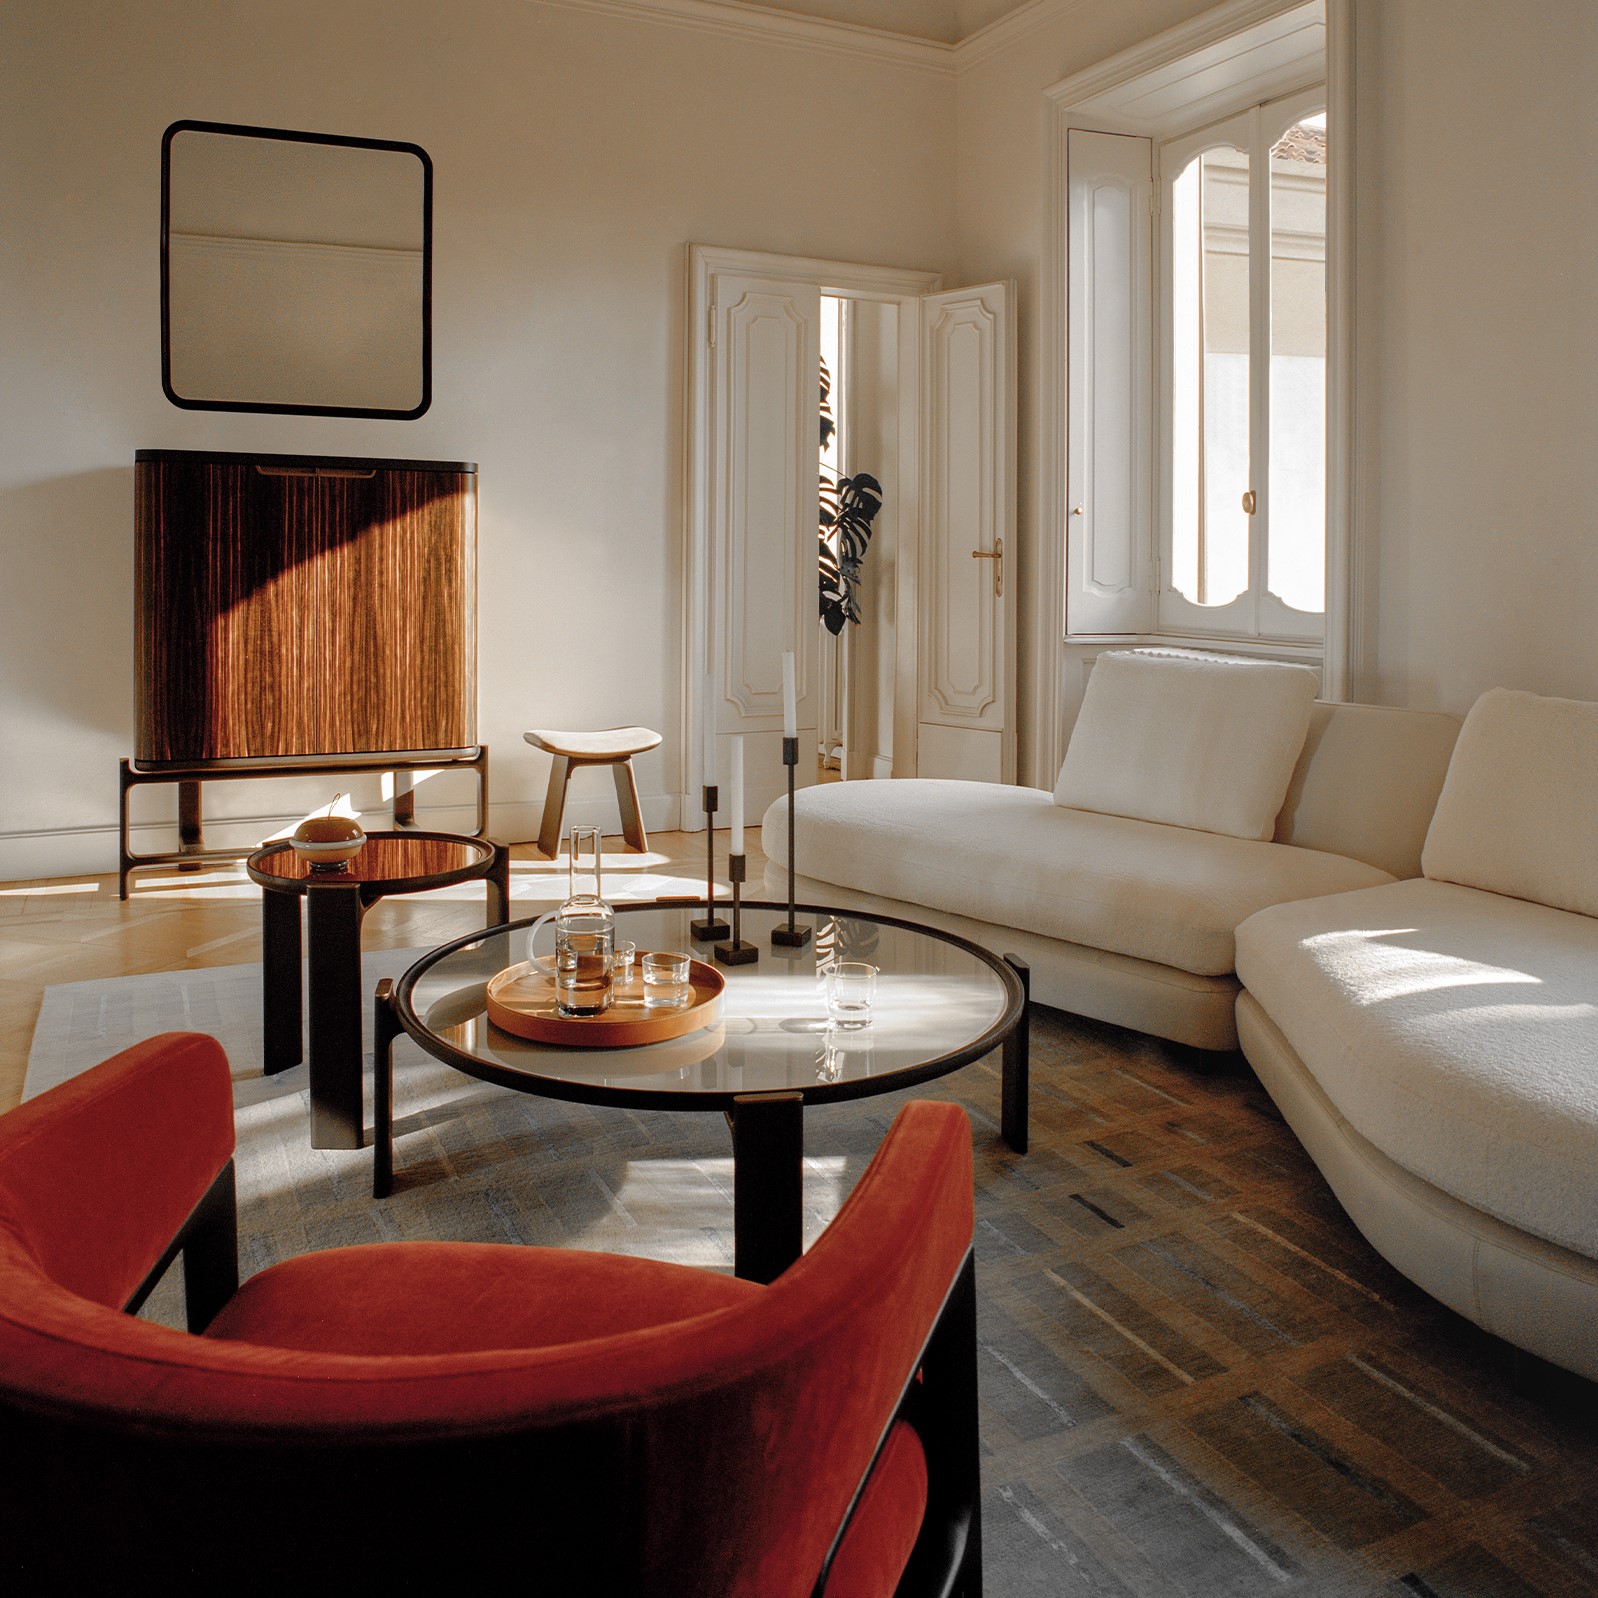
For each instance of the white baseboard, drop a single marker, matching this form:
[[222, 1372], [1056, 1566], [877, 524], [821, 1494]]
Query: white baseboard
[[92, 851]]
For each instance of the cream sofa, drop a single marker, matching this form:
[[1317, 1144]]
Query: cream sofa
[[1126, 919], [1434, 1042], [1429, 1031]]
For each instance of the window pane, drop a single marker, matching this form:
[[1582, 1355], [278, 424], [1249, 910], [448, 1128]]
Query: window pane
[[1296, 546], [1210, 433]]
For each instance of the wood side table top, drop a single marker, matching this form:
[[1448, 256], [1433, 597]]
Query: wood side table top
[[389, 862]]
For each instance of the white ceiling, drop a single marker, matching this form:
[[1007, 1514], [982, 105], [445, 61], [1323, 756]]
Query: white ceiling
[[942, 21]]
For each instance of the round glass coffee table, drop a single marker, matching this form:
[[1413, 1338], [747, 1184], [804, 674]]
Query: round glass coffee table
[[940, 1003]]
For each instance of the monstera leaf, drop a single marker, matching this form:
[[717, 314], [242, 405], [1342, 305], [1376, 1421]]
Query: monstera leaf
[[849, 505]]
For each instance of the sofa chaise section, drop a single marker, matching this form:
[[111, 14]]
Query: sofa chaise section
[[1434, 1042]]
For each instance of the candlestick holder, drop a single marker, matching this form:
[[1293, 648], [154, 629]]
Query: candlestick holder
[[790, 936], [710, 927], [737, 952]]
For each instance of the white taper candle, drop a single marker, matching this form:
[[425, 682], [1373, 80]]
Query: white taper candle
[[707, 717], [790, 703], [737, 805]]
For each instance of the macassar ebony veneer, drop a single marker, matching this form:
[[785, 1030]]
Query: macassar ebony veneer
[[292, 606], [298, 612]]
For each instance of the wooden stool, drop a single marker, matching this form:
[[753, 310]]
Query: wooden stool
[[615, 748]]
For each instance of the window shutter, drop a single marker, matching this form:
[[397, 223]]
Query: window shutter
[[1109, 465]]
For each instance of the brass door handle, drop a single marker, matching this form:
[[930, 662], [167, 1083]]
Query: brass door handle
[[1248, 501], [996, 555]]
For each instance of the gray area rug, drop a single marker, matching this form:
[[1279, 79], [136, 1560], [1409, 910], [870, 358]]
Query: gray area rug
[[1196, 1378]]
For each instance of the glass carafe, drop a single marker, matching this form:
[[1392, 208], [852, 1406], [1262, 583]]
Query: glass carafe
[[585, 934]]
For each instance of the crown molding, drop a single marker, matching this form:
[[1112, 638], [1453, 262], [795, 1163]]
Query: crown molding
[[1186, 38], [785, 28], [1011, 29], [837, 38]]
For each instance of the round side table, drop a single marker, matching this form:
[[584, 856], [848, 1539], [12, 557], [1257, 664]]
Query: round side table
[[335, 903]]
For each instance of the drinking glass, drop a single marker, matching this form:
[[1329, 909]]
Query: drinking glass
[[851, 986], [626, 951], [666, 983]]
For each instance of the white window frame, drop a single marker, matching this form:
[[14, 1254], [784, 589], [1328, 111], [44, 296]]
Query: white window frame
[[1257, 615], [1252, 51]]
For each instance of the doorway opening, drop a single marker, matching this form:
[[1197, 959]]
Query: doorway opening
[[858, 506], [917, 676]]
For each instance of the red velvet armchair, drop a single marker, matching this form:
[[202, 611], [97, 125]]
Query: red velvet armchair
[[410, 1413]]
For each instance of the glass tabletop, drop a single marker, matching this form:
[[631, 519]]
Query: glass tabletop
[[940, 1003], [385, 857]]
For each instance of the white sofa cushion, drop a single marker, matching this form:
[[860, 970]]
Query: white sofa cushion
[[1188, 741], [1455, 1029], [1518, 813], [1013, 857]]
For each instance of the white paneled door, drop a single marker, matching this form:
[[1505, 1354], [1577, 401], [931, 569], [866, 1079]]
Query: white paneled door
[[767, 350], [948, 392], [965, 714]]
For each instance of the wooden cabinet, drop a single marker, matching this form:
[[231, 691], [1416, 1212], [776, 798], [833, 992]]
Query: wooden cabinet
[[293, 607]]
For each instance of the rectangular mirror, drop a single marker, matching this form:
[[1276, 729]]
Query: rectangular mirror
[[296, 272]]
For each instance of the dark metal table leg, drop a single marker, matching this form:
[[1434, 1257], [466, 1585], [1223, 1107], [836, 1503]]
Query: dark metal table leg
[[1017, 1064], [333, 936], [499, 887], [282, 1001], [768, 1147], [385, 1029]]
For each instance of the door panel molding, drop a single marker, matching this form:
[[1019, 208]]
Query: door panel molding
[[967, 628]]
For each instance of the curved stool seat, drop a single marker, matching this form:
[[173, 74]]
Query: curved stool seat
[[613, 747]]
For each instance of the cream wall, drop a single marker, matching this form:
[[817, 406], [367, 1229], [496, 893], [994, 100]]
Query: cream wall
[[575, 155], [1477, 238], [1478, 305]]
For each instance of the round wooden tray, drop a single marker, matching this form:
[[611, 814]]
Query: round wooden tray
[[521, 999]]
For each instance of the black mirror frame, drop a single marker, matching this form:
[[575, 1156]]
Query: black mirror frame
[[290, 136]]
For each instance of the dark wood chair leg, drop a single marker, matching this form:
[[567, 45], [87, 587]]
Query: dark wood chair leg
[[1017, 1080], [632, 818], [211, 1252], [560, 771]]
